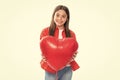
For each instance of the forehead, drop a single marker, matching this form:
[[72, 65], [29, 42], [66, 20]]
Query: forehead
[[62, 12]]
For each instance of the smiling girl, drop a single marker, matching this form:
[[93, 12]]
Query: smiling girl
[[59, 28]]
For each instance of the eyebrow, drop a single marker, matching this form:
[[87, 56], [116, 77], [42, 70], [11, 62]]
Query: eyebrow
[[62, 14]]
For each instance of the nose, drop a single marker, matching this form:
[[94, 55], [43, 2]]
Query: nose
[[59, 18]]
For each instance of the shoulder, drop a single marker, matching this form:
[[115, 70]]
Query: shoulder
[[45, 29], [72, 34], [44, 32]]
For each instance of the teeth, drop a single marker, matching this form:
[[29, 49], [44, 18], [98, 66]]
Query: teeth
[[59, 21]]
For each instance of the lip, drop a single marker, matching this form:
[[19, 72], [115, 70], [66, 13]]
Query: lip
[[60, 22]]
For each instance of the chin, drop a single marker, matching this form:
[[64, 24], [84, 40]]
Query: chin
[[59, 25]]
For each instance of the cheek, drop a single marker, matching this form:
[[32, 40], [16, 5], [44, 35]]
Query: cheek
[[55, 18], [64, 20]]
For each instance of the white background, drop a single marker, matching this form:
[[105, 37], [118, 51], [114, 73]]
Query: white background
[[95, 22]]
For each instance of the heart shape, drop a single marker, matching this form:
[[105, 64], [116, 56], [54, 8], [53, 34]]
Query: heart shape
[[58, 52]]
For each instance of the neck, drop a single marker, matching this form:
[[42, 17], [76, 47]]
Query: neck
[[60, 27]]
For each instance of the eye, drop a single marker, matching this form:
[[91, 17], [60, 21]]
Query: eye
[[57, 15], [63, 16]]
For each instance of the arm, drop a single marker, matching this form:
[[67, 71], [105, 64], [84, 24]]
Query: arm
[[74, 36], [43, 34]]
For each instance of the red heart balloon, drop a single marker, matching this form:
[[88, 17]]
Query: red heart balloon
[[58, 52]]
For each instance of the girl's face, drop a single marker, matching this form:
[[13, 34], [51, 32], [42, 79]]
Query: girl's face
[[60, 18]]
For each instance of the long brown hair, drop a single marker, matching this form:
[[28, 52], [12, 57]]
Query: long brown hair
[[66, 25]]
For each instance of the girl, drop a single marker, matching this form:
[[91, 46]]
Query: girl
[[59, 28]]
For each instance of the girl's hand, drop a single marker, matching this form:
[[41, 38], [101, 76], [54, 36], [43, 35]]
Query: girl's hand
[[43, 58], [75, 54]]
